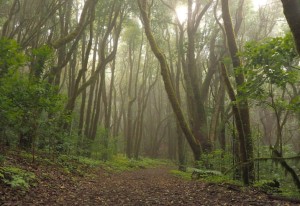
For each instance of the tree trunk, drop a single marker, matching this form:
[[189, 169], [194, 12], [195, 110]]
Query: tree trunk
[[81, 118], [197, 113], [242, 109], [291, 10], [95, 122], [194, 143], [88, 118]]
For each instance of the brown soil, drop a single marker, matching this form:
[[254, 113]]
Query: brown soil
[[142, 187]]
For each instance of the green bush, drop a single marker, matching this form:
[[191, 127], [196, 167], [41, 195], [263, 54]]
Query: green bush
[[16, 177], [268, 186], [89, 161], [216, 160], [197, 173], [31, 109], [11, 57]]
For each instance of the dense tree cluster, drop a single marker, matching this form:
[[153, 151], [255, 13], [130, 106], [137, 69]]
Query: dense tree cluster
[[96, 78]]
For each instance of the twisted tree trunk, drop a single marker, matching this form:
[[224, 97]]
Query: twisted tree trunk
[[165, 72]]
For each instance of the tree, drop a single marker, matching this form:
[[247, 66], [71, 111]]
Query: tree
[[271, 78], [25, 96], [241, 108], [165, 72], [291, 9]]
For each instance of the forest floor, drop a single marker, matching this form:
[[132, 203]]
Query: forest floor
[[144, 186]]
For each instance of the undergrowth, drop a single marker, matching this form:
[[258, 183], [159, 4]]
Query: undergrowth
[[210, 176], [17, 178], [270, 187], [181, 174], [121, 163], [82, 166]]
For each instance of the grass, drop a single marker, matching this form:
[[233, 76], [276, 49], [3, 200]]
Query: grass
[[184, 175], [290, 193], [120, 163], [223, 180], [80, 164]]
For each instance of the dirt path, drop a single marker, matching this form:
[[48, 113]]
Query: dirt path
[[142, 187]]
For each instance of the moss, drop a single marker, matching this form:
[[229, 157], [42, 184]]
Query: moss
[[222, 180], [184, 175], [121, 163]]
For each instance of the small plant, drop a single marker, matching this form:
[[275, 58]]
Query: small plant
[[210, 176], [2, 159], [222, 180], [69, 164], [197, 173], [268, 186], [184, 175], [89, 162], [16, 177]]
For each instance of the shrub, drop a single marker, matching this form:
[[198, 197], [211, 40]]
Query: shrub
[[16, 177]]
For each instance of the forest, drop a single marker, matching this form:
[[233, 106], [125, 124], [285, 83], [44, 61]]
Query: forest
[[149, 102]]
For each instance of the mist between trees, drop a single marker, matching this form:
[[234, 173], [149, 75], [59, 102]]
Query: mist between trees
[[215, 86]]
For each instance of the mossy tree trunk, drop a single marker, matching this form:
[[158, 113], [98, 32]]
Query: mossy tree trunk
[[241, 109], [165, 72]]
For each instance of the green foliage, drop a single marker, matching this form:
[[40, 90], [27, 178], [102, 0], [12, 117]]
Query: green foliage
[[89, 161], [40, 57], [267, 186], [79, 165], [69, 164], [181, 174], [271, 61], [16, 177], [11, 57], [222, 179], [205, 175], [2, 159], [25, 99], [132, 33], [271, 70], [22, 103], [270, 170], [121, 163], [290, 193], [104, 147], [216, 160]]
